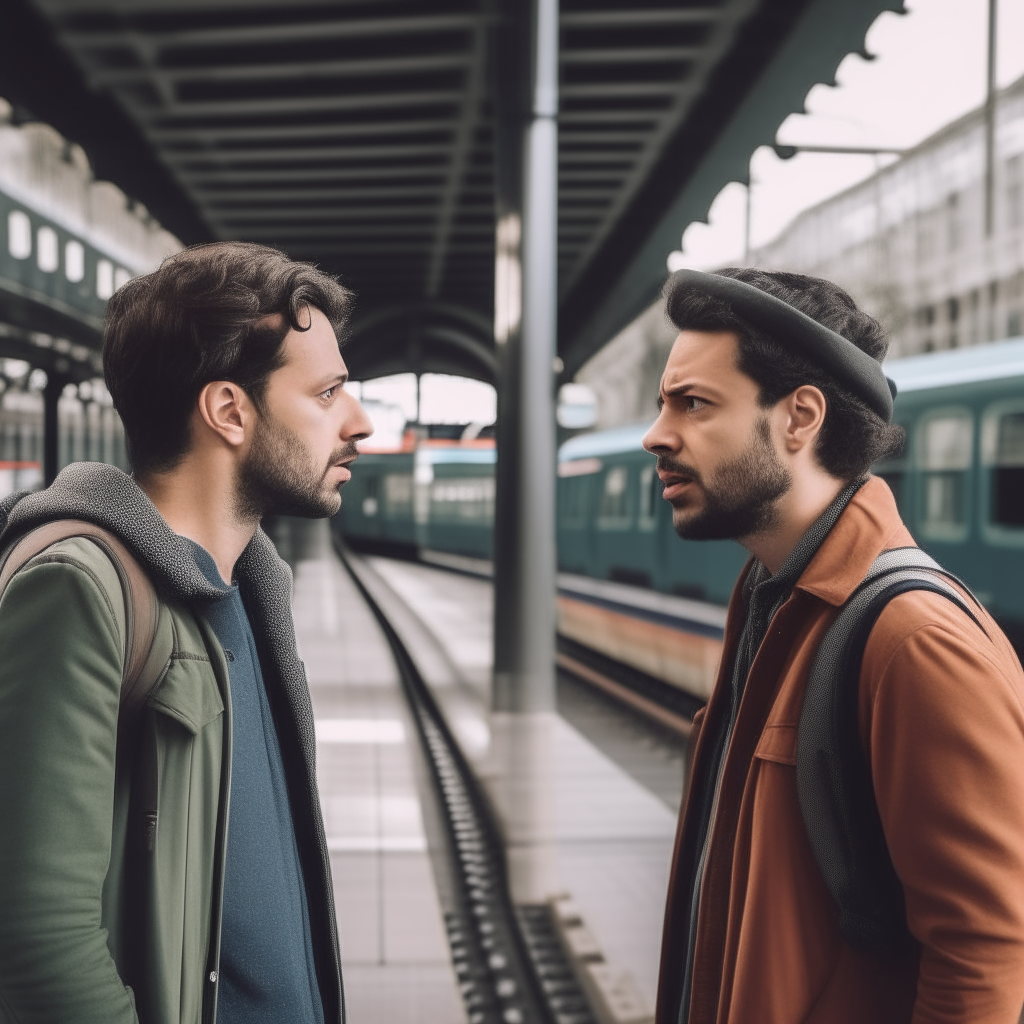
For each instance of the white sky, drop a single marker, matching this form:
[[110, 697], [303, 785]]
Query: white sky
[[443, 399], [929, 69]]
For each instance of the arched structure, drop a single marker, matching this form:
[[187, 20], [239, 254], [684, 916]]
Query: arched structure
[[422, 337]]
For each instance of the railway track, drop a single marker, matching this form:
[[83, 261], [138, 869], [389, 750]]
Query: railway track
[[510, 962]]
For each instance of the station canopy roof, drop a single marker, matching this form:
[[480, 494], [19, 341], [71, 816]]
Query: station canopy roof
[[358, 134]]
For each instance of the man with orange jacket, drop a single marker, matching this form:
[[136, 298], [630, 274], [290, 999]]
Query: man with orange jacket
[[773, 409]]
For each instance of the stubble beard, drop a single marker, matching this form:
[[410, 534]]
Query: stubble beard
[[280, 476], [741, 498]]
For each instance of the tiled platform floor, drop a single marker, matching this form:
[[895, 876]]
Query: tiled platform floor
[[614, 837], [395, 954]]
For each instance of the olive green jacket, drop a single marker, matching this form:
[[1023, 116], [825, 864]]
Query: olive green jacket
[[95, 928]]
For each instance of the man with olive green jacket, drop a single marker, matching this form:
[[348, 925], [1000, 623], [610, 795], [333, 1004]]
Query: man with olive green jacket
[[172, 868]]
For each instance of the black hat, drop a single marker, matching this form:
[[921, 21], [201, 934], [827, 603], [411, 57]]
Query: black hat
[[852, 367]]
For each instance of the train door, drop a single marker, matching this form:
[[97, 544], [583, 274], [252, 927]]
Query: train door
[[944, 446], [1001, 512], [577, 481]]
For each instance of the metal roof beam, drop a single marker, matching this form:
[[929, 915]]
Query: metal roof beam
[[115, 77], [461, 149], [325, 130], [211, 200], [227, 158], [617, 90], [324, 176], [194, 111], [630, 17], [337, 27], [629, 55]]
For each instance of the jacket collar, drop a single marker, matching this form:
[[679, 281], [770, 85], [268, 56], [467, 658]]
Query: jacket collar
[[869, 525], [110, 498]]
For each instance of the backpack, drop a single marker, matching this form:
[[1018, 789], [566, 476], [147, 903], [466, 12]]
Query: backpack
[[834, 785], [147, 651]]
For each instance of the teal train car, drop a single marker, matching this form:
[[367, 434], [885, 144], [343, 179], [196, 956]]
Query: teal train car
[[377, 503], [435, 495], [960, 481], [632, 590]]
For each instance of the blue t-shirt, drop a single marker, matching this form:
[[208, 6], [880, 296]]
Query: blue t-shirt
[[267, 973]]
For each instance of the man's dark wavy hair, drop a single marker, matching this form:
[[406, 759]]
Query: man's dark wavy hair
[[206, 314], [853, 436]]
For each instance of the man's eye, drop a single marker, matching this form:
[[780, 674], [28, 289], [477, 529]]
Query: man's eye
[[694, 403], [326, 395]]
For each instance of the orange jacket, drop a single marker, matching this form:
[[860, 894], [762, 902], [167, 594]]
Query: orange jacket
[[942, 722]]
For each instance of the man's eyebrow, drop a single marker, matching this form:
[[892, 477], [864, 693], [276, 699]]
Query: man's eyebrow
[[333, 382]]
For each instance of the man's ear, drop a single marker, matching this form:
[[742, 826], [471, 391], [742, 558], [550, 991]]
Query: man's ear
[[226, 410], [805, 412]]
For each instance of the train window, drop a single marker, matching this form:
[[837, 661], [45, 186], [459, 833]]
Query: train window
[[74, 261], [47, 250], [650, 488], [945, 456], [614, 513], [1008, 472], [370, 503], [19, 235], [121, 277], [104, 279], [573, 502], [893, 472], [398, 492]]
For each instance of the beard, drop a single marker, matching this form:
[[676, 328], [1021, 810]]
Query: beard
[[280, 476], [741, 495]]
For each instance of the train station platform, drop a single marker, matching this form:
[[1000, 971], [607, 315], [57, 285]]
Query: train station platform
[[613, 834], [397, 965]]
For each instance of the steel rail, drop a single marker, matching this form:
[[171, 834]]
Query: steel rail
[[510, 963]]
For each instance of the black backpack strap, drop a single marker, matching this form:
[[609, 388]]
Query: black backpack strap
[[833, 778]]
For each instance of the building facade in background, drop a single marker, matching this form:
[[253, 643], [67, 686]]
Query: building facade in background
[[910, 243]]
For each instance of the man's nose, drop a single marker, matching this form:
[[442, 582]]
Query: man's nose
[[658, 439], [358, 426]]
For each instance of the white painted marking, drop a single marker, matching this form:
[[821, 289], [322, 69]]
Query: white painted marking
[[359, 730]]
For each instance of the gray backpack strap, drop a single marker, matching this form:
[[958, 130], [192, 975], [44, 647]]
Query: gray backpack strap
[[834, 784], [148, 643], [142, 665]]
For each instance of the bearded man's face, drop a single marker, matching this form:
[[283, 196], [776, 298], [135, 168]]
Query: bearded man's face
[[305, 432], [281, 476], [717, 461], [737, 498]]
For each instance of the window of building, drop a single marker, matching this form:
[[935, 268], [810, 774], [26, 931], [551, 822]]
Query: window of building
[[1008, 472], [650, 491], [614, 512], [74, 261], [1014, 193], [47, 250], [953, 222], [19, 235], [946, 444], [121, 277]]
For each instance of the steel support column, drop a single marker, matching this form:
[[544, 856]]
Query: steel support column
[[51, 426], [523, 709], [525, 328]]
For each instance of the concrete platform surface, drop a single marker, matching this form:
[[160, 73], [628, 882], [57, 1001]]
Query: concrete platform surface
[[613, 837], [395, 956]]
